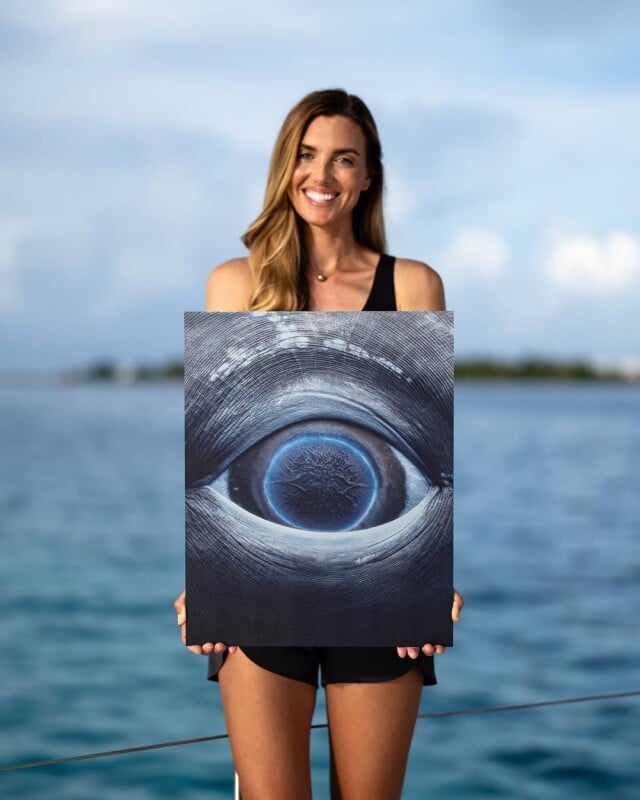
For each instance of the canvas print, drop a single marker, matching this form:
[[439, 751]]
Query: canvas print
[[319, 478]]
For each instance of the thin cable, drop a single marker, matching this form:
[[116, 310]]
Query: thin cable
[[493, 709], [433, 715]]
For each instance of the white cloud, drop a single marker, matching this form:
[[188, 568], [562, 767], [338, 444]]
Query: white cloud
[[587, 264], [476, 252]]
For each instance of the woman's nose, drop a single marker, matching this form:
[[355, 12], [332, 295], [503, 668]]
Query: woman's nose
[[321, 171]]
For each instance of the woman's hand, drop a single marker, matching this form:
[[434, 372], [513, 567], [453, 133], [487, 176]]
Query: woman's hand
[[434, 649], [206, 649]]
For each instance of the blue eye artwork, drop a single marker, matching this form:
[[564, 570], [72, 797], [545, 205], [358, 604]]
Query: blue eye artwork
[[319, 485]]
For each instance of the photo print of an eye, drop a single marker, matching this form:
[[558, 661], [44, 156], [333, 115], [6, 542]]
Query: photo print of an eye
[[319, 478]]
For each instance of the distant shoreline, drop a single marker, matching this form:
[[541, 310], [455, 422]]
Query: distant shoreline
[[466, 369], [543, 369]]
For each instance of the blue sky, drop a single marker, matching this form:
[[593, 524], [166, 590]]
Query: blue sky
[[135, 138]]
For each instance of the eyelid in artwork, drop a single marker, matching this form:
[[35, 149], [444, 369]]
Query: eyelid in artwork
[[323, 475]]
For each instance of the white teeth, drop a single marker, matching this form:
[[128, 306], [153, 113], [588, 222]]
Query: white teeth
[[318, 197]]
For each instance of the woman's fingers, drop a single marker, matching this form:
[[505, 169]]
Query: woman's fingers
[[412, 652], [427, 649], [458, 604], [179, 603], [208, 647], [434, 649], [180, 607]]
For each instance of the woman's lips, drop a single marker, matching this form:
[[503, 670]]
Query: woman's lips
[[319, 198]]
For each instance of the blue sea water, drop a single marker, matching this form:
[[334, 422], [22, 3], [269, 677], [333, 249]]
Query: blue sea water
[[547, 518]]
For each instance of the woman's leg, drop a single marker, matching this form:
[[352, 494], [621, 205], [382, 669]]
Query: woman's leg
[[268, 719], [371, 727]]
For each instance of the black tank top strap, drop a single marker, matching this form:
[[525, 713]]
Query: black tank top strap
[[382, 296]]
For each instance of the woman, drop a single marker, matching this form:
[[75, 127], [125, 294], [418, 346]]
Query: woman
[[319, 245]]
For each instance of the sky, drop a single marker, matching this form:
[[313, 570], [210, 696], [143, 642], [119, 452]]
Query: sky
[[135, 138]]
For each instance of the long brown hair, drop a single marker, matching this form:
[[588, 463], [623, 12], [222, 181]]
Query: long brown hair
[[275, 240]]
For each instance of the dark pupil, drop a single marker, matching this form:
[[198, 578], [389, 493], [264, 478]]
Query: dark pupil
[[320, 482]]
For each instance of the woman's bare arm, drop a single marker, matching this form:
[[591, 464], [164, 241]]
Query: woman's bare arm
[[229, 286], [418, 286]]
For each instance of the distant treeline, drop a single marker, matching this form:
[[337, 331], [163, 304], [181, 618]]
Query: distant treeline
[[537, 369], [533, 368], [128, 373]]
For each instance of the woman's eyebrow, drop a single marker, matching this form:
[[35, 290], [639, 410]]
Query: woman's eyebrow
[[339, 152]]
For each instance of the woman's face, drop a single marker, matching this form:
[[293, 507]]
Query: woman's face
[[331, 171]]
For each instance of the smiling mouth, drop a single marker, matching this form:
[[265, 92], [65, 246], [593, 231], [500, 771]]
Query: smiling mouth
[[320, 198]]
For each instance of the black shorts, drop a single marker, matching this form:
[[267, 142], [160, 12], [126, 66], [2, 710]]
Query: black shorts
[[337, 664]]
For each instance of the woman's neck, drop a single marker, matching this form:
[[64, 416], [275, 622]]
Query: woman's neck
[[329, 251]]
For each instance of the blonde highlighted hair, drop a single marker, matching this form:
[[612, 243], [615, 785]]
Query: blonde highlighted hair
[[275, 240]]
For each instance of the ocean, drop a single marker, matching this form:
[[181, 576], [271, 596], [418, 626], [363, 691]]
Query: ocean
[[547, 555]]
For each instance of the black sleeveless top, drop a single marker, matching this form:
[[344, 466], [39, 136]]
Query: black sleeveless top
[[382, 296]]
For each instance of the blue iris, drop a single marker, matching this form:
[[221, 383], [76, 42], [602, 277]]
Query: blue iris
[[320, 482]]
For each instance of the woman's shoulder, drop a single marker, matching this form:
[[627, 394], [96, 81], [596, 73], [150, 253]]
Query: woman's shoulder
[[418, 286], [229, 286]]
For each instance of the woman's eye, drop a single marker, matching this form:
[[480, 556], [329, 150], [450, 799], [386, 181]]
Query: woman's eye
[[304, 156], [346, 161], [323, 475]]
